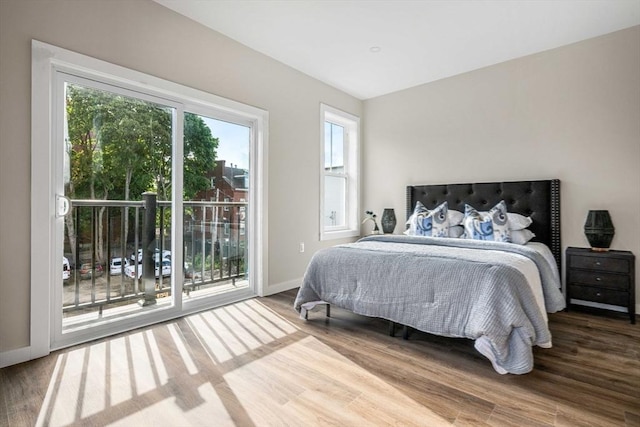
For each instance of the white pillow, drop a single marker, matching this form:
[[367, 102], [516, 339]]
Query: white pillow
[[455, 218], [521, 237], [518, 222], [456, 231]]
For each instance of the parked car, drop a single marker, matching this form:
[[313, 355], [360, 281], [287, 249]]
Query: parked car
[[66, 268], [131, 272], [166, 256], [115, 266], [86, 272], [138, 254]]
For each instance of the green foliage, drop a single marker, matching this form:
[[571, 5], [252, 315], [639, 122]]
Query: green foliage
[[121, 147], [197, 262], [199, 154]]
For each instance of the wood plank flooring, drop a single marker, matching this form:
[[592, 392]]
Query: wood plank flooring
[[255, 363]]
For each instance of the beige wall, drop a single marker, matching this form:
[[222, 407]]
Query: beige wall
[[147, 37], [571, 113]]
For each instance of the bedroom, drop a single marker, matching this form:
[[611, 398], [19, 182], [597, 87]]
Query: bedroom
[[569, 113]]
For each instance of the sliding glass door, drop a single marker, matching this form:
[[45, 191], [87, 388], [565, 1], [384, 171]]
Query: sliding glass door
[[154, 201]]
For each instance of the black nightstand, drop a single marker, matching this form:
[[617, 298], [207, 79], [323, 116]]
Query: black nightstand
[[602, 277]]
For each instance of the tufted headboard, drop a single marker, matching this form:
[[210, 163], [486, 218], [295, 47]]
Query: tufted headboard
[[538, 199]]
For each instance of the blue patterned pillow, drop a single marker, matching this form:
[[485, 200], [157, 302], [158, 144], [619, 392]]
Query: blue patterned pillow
[[424, 222], [494, 225]]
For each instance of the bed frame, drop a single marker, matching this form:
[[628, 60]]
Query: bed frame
[[538, 199]]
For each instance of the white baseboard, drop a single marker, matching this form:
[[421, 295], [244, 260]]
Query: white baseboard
[[13, 357], [281, 287]]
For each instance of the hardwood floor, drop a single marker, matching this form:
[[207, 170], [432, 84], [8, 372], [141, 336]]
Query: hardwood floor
[[256, 363]]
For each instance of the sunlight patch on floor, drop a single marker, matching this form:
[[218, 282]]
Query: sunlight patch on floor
[[167, 412], [309, 383], [241, 363], [240, 328], [153, 376]]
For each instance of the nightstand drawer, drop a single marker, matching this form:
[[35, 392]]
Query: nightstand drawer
[[614, 265], [600, 279], [605, 296]]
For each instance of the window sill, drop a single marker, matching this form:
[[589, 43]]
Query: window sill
[[339, 234]]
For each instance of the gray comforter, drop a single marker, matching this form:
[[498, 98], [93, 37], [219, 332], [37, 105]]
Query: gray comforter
[[425, 284]]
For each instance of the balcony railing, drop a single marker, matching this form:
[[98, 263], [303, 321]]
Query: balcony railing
[[99, 232]]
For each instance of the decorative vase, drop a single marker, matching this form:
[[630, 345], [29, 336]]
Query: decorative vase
[[599, 230], [388, 221]]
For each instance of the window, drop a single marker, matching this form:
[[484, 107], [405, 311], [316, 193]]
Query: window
[[339, 186]]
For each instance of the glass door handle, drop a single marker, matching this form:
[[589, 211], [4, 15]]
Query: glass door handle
[[63, 205]]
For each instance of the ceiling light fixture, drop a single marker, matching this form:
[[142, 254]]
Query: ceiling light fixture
[[375, 49]]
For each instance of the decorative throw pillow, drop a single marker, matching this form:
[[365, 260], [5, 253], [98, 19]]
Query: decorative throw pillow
[[521, 237], [516, 221], [424, 222], [494, 225]]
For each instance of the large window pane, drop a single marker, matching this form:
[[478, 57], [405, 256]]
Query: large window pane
[[116, 148], [215, 204], [333, 147]]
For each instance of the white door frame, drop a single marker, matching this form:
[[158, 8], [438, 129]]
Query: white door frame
[[45, 225]]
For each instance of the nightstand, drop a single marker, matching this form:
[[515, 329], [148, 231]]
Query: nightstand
[[601, 277]]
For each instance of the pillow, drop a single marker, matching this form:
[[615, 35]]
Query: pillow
[[455, 218], [518, 222], [455, 231], [424, 222], [521, 237], [494, 225]]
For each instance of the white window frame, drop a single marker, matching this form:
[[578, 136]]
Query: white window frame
[[47, 62], [351, 124]]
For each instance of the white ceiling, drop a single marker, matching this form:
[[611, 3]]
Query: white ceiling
[[419, 41]]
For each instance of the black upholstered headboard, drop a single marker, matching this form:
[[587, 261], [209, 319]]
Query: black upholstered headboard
[[538, 199]]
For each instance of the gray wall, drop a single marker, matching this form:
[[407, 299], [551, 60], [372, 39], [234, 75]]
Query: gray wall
[[571, 113], [147, 37]]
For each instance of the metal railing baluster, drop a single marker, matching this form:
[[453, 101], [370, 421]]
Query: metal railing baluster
[[108, 264]]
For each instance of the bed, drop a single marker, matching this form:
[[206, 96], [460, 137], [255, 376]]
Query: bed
[[497, 294]]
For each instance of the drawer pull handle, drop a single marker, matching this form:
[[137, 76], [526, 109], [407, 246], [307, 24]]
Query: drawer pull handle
[[598, 279], [598, 294], [597, 263]]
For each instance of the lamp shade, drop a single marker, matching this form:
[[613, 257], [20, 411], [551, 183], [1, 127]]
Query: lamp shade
[[599, 230]]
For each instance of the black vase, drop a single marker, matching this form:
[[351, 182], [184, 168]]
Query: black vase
[[388, 221], [599, 230]]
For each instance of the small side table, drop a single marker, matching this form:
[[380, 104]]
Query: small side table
[[602, 277]]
